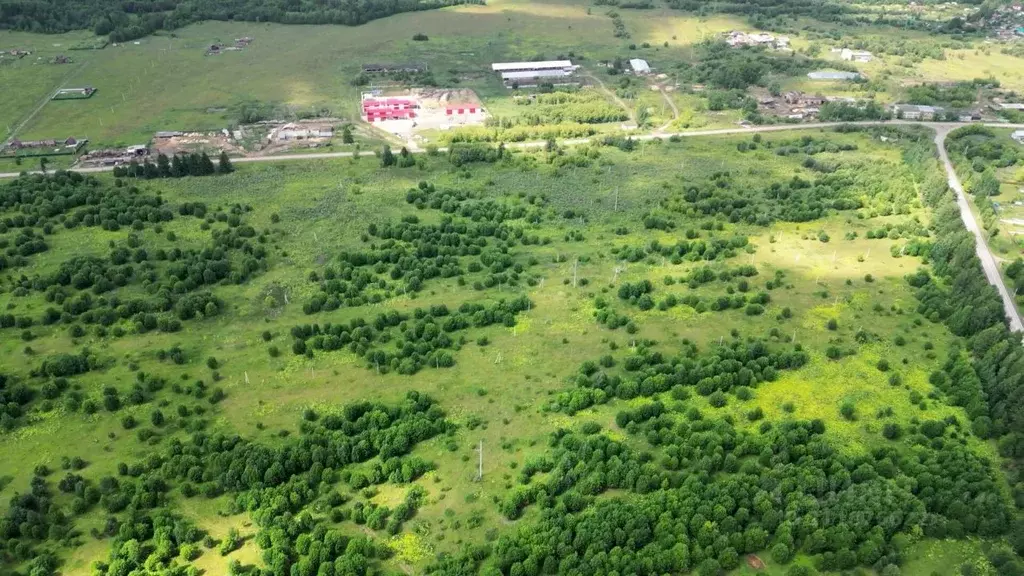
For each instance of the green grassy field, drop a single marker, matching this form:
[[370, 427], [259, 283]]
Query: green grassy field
[[166, 82], [500, 394]]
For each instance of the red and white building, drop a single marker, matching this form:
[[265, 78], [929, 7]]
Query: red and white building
[[377, 109], [461, 109]]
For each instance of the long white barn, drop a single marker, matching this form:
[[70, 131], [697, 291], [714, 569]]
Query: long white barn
[[531, 66]]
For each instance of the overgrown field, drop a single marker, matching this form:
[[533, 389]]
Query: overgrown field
[[682, 352]]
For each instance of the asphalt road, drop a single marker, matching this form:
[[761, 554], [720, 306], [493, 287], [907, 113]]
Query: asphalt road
[[942, 129], [988, 262]]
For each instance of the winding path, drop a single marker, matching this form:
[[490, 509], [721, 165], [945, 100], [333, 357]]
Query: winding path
[[942, 130]]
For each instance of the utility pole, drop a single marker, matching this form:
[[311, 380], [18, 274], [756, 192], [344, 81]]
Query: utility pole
[[575, 265], [480, 463]]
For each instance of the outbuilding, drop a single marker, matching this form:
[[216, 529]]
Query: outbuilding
[[639, 66]]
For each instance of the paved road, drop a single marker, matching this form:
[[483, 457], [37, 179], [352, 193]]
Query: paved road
[[988, 261], [942, 129]]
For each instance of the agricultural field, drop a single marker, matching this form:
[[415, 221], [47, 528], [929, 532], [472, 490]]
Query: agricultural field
[[436, 363], [168, 81]]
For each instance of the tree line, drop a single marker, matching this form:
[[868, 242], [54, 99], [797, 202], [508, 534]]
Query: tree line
[[143, 17], [178, 166]]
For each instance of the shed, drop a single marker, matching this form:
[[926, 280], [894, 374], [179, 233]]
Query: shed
[[639, 66]]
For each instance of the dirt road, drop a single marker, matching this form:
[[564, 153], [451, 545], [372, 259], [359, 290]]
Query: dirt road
[[672, 105], [611, 94]]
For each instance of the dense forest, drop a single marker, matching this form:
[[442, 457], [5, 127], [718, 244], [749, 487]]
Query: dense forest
[[132, 19]]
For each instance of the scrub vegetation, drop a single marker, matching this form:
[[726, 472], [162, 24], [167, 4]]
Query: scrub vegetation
[[675, 356]]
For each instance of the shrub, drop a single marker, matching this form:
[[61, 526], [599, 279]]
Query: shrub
[[717, 399], [848, 410]]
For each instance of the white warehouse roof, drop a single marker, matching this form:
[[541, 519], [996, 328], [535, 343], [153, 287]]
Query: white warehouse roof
[[639, 65], [546, 65], [530, 74]]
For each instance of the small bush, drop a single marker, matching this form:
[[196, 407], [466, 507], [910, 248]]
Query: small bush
[[849, 411]]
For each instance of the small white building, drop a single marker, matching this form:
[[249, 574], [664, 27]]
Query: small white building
[[1018, 136], [856, 55], [639, 66]]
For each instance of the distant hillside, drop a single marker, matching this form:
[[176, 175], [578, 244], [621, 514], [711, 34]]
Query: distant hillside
[[132, 19]]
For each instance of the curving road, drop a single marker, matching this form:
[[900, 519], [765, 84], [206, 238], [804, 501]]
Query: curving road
[[942, 130]]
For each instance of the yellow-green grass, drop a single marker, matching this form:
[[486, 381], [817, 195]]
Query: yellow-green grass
[[973, 63]]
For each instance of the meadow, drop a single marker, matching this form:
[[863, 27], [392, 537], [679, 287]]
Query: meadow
[[833, 291]]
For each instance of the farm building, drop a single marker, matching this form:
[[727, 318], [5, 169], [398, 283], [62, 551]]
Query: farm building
[[376, 109], [826, 75], [72, 93], [639, 66], [65, 146], [304, 132], [1010, 106], [565, 65], [1018, 136], [534, 77], [856, 55], [515, 74], [917, 112], [385, 68]]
